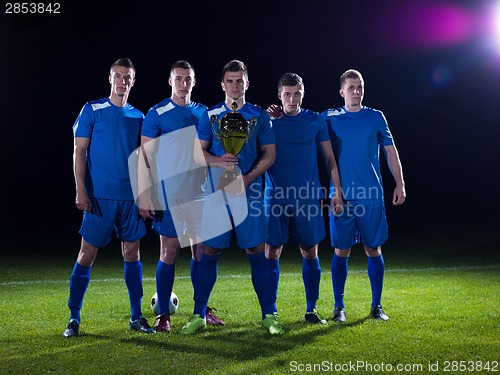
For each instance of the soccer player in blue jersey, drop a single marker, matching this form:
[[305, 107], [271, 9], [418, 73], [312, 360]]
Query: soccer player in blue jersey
[[105, 133], [256, 156], [357, 133], [293, 190], [165, 119]]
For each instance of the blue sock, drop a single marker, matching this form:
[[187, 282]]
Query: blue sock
[[339, 278], [376, 276], [311, 275], [192, 269], [78, 284], [274, 264], [132, 273], [204, 281], [165, 274], [262, 280]]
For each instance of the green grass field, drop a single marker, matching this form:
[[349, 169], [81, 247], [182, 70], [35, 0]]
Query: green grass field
[[443, 299]]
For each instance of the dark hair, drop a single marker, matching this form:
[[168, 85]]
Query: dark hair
[[125, 62], [290, 79], [235, 66], [181, 64], [351, 73]]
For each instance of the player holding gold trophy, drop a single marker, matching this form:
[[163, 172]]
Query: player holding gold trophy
[[239, 135]]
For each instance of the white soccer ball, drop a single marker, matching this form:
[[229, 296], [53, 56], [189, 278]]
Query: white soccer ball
[[173, 304]]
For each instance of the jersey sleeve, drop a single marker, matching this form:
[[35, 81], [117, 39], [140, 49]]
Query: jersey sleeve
[[266, 134], [384, 135], [204, 128], [84, 124], [151, 124], [323, 135]]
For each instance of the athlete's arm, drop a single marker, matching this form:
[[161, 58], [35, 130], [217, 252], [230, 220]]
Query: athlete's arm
[[81, 145], [396, 169], [145, 204], [327, 151], [266, 160]]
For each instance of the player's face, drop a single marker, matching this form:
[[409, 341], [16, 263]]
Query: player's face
[[352, 91], [291, 99], [182, 82], [235, 84], [121, 80]]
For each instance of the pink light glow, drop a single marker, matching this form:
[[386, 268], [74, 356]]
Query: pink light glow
[[427, 25]]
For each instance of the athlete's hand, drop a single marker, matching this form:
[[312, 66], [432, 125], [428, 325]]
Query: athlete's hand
[[337, 205], [82, 201], [399, 195], [146, 207], [274, 111], [228, 161]]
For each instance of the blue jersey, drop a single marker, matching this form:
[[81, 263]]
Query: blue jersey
[[250, 153], [114, 134], [180, 179], [356, 139], [166, 117], [294, 175]]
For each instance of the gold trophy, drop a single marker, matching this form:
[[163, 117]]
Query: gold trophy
[[232, 131]]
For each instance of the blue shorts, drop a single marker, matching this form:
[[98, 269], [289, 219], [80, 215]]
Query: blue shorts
[[109, 215], [361, 221], [182, 221], [251, 232], [304, 220]]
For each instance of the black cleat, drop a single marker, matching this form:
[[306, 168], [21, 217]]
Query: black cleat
[[378, 313], [141, 325], [314, 318], [73, 329], [339, 314]]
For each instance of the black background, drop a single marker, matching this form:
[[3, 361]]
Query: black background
[[440, 92]]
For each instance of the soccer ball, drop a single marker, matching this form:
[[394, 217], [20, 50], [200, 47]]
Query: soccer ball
[[173, 304]]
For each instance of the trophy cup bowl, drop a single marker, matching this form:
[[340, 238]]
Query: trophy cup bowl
[[232, 131]]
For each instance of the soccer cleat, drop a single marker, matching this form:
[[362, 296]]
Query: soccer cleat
[[141, 325], [270, 322], [73, 329], [212, 319], [378, 313], [162, 323], [339, 314], [314, 318], [194, 324]]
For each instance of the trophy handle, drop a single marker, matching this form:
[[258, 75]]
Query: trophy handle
[[213, 120], [252, 125]]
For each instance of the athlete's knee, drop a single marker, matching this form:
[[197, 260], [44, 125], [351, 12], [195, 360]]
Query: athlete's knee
[[130, 251], [87, 254], [197, 251], [310, 252], [256, 249], [273, 252], [211, 251], [169, 249], [343, 253], [373, 252]]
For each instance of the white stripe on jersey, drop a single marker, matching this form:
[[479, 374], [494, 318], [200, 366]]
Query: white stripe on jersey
[[335, 112], [97, 106], [165, 108], [216, 111]]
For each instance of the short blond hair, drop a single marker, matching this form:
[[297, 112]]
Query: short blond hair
[[351, 73]]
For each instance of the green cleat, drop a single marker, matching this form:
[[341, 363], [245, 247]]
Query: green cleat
[[193, 325], [270, 322]]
